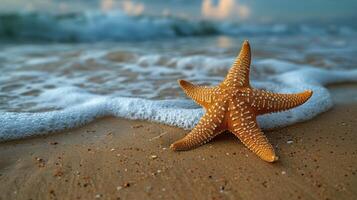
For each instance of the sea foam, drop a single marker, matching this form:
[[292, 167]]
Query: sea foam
[[84, 107]]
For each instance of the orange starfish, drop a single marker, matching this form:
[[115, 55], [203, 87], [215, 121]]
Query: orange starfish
[[233, 105]]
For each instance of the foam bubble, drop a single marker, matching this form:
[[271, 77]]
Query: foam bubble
[[85, 107]]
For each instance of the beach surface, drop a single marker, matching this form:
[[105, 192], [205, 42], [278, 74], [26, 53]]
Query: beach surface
[[115, 158]]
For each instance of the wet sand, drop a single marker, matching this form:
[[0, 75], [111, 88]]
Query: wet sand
[[122, 159]]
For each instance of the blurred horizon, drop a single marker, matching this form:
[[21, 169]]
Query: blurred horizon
[[257, 11], [132, 20]]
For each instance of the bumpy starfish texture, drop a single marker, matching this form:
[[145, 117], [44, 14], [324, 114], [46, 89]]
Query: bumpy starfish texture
[[233, 105]]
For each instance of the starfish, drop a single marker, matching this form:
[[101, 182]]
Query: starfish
[[234, 105]]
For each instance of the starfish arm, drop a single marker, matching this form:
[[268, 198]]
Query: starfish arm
[[243, 124], [267, 102], [207, 128], [238, 75], [200, 94]]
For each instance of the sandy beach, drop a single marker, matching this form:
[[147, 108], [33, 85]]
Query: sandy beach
[[121, 159]]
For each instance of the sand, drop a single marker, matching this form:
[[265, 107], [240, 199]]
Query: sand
[[122, 159]]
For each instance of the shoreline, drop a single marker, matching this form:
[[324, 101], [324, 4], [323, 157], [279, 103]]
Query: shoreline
[[50, 123], [117, 158]]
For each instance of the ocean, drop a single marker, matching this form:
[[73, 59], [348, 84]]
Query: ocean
[[64, 71]]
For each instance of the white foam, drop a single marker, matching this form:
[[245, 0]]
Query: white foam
[[81, 107]]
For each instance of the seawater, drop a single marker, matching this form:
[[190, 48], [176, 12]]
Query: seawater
[[128, 66]]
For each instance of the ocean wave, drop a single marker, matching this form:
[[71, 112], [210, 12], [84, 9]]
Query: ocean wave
[[118, 26], [81, 107]]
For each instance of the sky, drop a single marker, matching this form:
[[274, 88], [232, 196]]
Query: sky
[[238, 10]]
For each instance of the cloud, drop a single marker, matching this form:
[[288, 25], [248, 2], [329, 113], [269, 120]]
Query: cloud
[[224, 9], [133, 8], [106, 5]]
